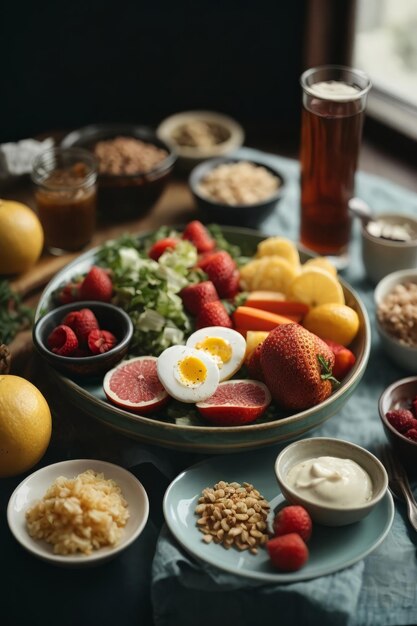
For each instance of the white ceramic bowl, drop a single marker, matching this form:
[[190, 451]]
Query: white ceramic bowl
[[404, 356], [383, 256], [327, 514], [33, 488], [189, 156]]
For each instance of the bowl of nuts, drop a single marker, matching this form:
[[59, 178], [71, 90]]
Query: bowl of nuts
[[396, 317], [196, 136], [236, 191], [133, 166]]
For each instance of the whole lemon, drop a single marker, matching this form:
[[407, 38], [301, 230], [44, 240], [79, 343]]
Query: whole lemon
[[334, 321], [25, 425], [21, 237]]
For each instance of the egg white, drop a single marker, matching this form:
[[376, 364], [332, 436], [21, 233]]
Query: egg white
[[187, 389], [234, 341]]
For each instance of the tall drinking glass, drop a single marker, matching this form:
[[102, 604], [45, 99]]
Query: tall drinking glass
[[334, 101]]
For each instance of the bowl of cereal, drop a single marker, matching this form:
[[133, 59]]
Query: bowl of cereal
[[134, 166], [196, 136], [105, 508], [395, 299], [236, 191]]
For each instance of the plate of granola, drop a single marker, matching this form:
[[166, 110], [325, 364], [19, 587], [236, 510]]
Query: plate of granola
[[331, 549], [149, 272]]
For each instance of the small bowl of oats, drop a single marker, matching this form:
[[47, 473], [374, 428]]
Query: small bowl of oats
[[236, 191], [395, 299]]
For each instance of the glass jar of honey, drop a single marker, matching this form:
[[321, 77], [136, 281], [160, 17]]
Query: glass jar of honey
[[66, 193]]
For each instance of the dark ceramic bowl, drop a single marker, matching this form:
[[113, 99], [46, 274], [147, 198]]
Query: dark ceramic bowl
[[125, 196], [399, 395], [109, 318], [238, 214]]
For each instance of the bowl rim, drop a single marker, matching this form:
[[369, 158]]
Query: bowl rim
[[385, 422], [84, 304], [327, 508], [234, 141], [387, 243], [393, 279], [124, 128], [210, 164]]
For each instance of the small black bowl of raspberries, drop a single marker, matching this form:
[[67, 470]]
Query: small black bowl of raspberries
[[398, 413], [83, 338]]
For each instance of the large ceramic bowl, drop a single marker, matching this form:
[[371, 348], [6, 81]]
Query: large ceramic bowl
[[172, 432]]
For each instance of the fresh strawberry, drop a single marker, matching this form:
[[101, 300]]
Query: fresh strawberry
[[62, 340], [411, 434], [222, 271], [100, 341], [254, 365], [81, 322], [213, 314], [69, 293], [293, 519], [344, 359], [97, 285], [288, 553], [401, 419], [194, 296], [161, 246], [199, 236], [297, 367]]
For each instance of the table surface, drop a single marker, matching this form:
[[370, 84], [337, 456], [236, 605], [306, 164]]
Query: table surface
[[80, 594]]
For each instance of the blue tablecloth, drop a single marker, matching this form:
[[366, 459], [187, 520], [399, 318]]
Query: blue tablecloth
[[379, 590]]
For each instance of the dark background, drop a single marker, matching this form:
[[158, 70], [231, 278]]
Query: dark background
[[66, 64]]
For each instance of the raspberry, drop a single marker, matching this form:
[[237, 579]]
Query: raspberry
[[288, 553], [100, 341], [293, 519], [81, 322], [401, 419], [411, 434], [62, 340], [194, 296], [199, 236]]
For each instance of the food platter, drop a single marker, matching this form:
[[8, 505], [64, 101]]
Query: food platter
[[331, 549], [88, 395]]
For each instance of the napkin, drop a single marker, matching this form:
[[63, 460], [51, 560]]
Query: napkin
[[16, 158], [380, 589]]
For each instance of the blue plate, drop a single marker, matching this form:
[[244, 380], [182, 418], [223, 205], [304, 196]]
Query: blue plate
[[331, 549]]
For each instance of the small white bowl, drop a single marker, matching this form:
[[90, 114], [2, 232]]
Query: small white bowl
[[33, 488], [404, 356], [327, 514], [190, 156], [383, 256]]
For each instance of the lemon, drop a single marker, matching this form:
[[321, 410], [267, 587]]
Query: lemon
[[271, 273], [322, 263], [337, 322], [21, 237], [315, 286], [253, 339], [278, 246], [25, 425]]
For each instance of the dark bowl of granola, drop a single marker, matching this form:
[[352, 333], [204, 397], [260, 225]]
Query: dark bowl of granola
[[134, 166], [395, 299]]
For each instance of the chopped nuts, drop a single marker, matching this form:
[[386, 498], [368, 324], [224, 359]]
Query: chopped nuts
[[398, 313], [233, 514]]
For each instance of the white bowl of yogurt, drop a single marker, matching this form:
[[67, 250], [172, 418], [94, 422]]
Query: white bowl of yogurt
[[336, 481]]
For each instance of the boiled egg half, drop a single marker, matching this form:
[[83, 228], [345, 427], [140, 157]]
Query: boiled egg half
[[226, 346], [187, 374]]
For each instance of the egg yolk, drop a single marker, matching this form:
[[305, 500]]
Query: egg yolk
[[218, 348], [191, 371]]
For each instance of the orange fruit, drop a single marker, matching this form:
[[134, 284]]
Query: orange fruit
[[315, 286], [25, 425], [334, 321], [21, 237]]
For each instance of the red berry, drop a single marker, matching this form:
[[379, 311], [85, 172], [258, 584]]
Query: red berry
[[97, 285], [293, 519], [401, 419], [69, 293], [161, 246], [100, 341], [62, 340], [81, 322], [213, 314], [194, 296], [288, 553], [254, 365], [414, 407], [222, 271], [199, 236], [411, 434], [344, 359]]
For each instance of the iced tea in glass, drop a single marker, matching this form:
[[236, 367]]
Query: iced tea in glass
[[334, 100]]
